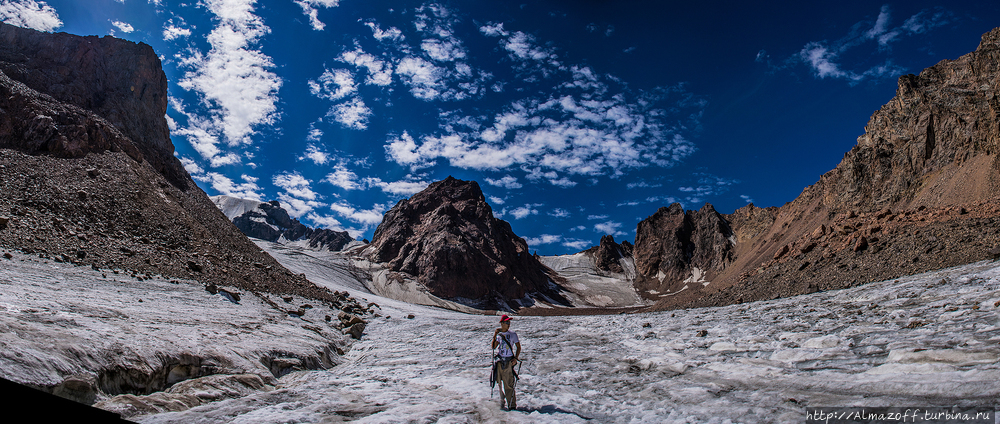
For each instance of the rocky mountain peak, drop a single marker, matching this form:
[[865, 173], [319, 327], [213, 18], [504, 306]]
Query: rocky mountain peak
[[447, 237], [674, 245], [269, 221], [119, 81]]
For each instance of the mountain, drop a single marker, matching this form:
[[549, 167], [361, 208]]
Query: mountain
[[918, 192], [89, 175], [447, 239], [269, 221]]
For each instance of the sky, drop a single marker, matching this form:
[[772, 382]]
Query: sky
[[577, 118]]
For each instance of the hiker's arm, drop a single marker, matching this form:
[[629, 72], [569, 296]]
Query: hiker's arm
[[494, 343], [517, 355]]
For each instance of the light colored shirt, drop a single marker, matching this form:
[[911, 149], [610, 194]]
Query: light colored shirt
[[504, 350]]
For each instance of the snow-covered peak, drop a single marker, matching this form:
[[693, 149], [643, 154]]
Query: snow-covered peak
[[234, 206]]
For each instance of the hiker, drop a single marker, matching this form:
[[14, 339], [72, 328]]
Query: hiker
[[504, 341]]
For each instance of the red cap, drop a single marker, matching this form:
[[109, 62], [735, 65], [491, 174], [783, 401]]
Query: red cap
[[505, 318]]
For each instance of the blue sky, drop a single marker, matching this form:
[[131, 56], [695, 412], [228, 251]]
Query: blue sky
[[577, 118]]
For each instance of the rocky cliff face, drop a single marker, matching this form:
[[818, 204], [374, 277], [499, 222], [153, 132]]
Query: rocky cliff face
[[608, 255], [88, 175], [448, 238], [119, 81], [918, 192], [674, 248], [269, 221]]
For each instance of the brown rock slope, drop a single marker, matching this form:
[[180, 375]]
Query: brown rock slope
[[918, 192], [447, 237], [88, 176]]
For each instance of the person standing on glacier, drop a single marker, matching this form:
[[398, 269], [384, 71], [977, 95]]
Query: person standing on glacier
[[504, 340]]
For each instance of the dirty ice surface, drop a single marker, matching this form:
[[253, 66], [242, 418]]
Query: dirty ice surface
[[930, 340]]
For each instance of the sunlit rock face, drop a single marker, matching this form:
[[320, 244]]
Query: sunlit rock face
[[918, 192], [88, 170], [673, 245], [447, 237]]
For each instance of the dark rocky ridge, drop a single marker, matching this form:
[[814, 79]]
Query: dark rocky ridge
[[918, 192], [275, 223], [608, 254], [671, 243], [448, 238], [87, 172], [120, 81]]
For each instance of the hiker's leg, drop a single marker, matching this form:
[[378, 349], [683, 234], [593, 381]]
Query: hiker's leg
[[507, 377]]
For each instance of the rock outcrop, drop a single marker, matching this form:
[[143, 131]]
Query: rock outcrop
[[269, 221], [448, 239], [674, 247], [918, 192], [608, 255], [88, 172]]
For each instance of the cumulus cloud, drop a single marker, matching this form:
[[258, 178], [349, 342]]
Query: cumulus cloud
[[406, 187], [295, 185], [248, 189], [587, 130], [333, 85], [309, 8], [559, 213], [379, 71], [391, 34], [172, 32], [343, 178], [524, 211], [123, 26], [352, 114], [30, 14], [746, 198], [297, 207], [609, 227], [315, 154], [507, 182], [233, 79], [366, 217]]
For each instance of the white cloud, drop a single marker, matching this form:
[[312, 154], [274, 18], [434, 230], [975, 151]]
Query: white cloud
[[343, 178], [30, 14], [333, 85], [493, 30], [443, 50], [496, 200], [522, 46], [399, 188], [316, 155], [367, 217], [295, 185], [351, 114], [172, 32], [507, 182], [746, 198], [559, 213], [423, 78], [576, 244], [594, 134], [123, 26], [379, 72], [297, 207], [248, 189], [309, 9], [825, 59], [233, 79], [543, 239], [392, 34], [610, 227], [524, 211]]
